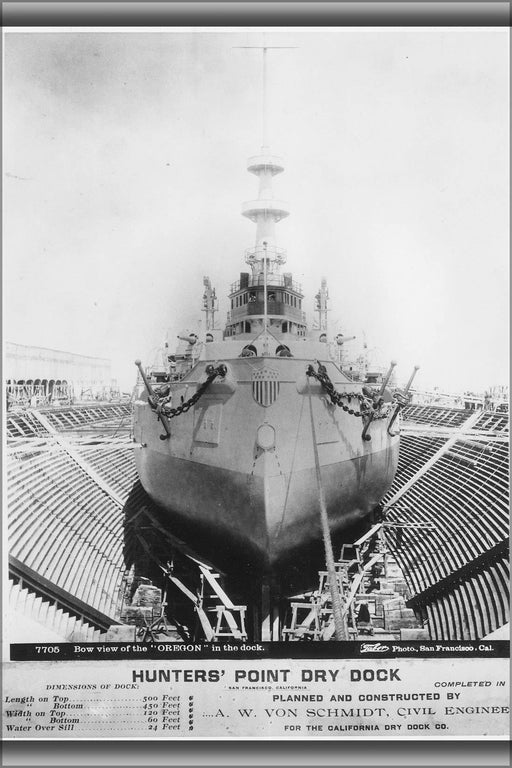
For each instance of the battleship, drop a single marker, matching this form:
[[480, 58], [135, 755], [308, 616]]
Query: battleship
[[244, 434]]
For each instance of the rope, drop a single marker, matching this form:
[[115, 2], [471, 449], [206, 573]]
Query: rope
[[337, 608], [296, 443]]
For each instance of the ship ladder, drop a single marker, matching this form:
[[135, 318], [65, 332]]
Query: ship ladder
[[197, 600], [306, 627], [356, 570], [225, 611], [313, 618], [355, 593]]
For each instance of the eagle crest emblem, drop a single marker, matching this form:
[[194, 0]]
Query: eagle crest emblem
[[265, 385]]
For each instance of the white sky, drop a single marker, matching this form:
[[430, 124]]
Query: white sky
[[124, 174]]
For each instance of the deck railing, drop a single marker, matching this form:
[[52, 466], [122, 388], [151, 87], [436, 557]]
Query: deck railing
[[273, 281]]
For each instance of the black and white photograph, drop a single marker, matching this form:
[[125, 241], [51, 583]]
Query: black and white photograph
[[256, 339]]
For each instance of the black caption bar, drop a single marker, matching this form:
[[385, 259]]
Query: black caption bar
[[279, 650]]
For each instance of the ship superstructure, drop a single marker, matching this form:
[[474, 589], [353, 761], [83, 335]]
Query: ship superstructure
[[264, 299]]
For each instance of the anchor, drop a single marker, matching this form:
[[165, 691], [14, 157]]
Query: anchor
[[370, 418], [153, 402], [402, 399]]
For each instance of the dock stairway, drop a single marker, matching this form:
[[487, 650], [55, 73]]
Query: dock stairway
[[60, 625]]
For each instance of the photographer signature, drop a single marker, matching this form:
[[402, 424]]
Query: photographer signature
[[373, 648]]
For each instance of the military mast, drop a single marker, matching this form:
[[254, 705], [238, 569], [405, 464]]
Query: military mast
[[266, 211], [210, 304], [322, 299]]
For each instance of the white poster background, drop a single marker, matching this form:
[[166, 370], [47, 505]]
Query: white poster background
[[406, 698]]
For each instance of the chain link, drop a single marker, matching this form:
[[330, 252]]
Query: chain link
[[167, 410], [367, 405]]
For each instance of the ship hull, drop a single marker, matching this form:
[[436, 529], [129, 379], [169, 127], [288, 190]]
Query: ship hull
[[245, 501], [262, 519]]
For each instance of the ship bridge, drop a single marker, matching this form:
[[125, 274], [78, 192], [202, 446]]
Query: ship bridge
[[272, 297]]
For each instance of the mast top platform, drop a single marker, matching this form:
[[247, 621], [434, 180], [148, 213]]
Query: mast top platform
[[265, 162]]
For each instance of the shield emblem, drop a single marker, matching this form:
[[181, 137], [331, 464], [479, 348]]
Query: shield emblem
[[265, 386]]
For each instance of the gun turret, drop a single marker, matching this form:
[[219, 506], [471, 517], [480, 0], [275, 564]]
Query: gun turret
[[191, 338]]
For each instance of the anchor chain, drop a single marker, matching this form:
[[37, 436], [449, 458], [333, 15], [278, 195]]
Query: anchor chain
[[367, 404], [163, 405]]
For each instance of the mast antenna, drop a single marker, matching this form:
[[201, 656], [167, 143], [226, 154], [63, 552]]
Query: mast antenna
[[264, 110]]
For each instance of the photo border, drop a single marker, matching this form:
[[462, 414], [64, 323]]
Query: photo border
[[71, 13]]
